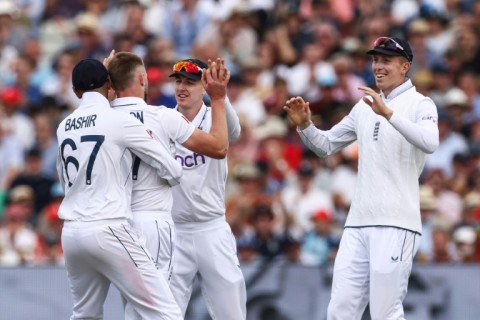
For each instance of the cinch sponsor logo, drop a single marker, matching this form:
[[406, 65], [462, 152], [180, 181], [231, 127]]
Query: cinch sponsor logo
[[191, 160]]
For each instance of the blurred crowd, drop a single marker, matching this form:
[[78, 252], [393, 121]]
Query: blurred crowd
[[283, 202]]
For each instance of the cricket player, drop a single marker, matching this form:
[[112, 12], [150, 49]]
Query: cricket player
[[94, 166], [152, 196], [395, 129], [206, 246]]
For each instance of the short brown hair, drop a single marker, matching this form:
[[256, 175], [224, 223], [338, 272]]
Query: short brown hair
[[122, 69]]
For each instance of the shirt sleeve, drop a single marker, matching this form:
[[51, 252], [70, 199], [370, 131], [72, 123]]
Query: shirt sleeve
[[233, 123], [423, 133], [179, 128], [60, 169], [325, 143], [140, 141]]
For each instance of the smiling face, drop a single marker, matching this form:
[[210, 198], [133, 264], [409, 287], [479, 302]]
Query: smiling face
[[389, 71], [188, 93]]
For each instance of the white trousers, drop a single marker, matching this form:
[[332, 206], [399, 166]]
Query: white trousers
[[373, 265], [102, 252], [158, 232], [209, 251]]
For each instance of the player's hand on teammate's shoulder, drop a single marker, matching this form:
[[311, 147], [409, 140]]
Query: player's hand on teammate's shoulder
[[215, 79]]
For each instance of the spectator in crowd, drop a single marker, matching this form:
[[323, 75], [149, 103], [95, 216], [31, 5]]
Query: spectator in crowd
[[11, 161], [449, 204], [14, 119], [156, 94], [24, 69], [89, 36], [8, 52], [279, 155], [249, 182], [290, 36], [50, 229], [59, 84], [451, 143], [430, 219], [268, 244], [346, 90], [245, 148], [459, 109], [183, 21], [444, 250], [319, 244], [303, 200], [46, 143], [33, 177], [465, 238], [248, 105], [135, 28], [18, 241], [343, 179], [468, 82]]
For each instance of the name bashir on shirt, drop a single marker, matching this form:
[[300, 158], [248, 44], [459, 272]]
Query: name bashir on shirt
[[80, 122]]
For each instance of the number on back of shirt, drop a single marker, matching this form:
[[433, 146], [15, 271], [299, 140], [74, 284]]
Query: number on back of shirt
[[71, 160]]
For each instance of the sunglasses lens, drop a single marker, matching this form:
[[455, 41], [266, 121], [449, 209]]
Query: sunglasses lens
[[385, 42], [186, 66]]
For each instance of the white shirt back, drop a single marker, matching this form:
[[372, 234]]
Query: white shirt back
[[150, 192], [94, 161]]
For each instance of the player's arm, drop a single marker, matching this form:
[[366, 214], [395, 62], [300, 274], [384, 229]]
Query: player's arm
[[60, 169], [138, 139], [321, 142], [233, 123], [423, 133], [213, 144]]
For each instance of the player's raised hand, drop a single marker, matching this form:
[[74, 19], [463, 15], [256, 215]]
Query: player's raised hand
[[374, 100], [299, 112], [107, 60], [215, 79]]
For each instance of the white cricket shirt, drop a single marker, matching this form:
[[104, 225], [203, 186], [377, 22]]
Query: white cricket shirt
[[94, 161], [201, 195], [392, 156], [150, 192]]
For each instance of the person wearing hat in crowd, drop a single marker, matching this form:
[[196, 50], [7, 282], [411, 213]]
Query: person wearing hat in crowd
[[205, 244], [18, 241], [94, 166], [319, 244], [152, 198], [33, 177], [395, 129]]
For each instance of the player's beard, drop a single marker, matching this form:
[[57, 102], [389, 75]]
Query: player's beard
[[145, 95]]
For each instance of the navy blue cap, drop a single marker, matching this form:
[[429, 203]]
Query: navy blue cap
[[392, 47], [190, 68], [89, 74]]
